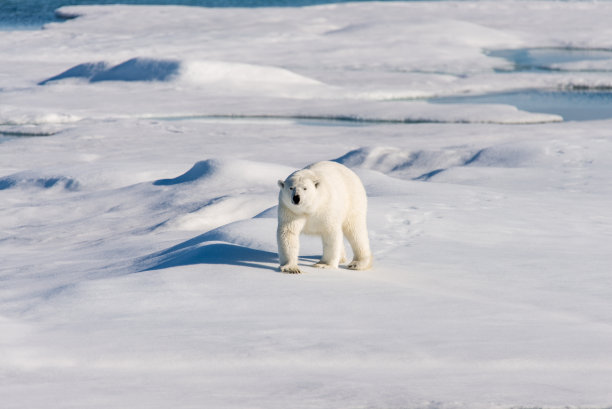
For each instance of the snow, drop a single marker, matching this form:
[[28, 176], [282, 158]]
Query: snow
[[139, 153]]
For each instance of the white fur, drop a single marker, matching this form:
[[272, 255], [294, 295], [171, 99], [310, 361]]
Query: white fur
[[332, 204]]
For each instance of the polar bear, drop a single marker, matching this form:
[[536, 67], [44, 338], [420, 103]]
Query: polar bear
[[325, 199]]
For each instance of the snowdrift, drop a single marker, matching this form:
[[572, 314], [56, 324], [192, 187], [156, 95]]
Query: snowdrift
[[221, 74], [426, 164], [236, 202], [237, 243], [226, 172]]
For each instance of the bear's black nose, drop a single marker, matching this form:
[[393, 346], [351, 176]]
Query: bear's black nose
[[296, 199]]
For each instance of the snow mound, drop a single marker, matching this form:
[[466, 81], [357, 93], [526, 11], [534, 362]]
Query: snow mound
[[30, 130], [198, 72], [135, 69], [243, 189], [86, 70], [230, 172], [139, 69], [241, 243], [421, 164], [217, 253], [28, 179], [200, 170], [511, 155], [222, 210], [240, 73], [425, 164], [23, 123]]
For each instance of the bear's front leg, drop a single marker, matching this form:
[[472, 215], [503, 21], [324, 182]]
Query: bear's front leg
[[288, 239], [333, 249]]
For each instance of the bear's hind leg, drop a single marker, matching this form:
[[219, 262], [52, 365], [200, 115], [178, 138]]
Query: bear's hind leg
[[357, 236]]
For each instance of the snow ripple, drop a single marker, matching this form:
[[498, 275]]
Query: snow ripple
[[44, 182], [228, 171], [425, 164]]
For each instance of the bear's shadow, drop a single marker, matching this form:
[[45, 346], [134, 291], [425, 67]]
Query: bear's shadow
[[208, 249], [212, 253]]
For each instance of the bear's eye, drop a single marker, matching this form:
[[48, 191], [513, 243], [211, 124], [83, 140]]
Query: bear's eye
[[305, 188]]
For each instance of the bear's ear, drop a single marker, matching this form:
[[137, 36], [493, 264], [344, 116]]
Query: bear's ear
[[316, 183], [281, 184]]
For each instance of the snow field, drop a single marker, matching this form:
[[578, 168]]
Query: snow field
[[469, 284], [137, 227]]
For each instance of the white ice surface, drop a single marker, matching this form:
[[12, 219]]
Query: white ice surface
[[139, 153]]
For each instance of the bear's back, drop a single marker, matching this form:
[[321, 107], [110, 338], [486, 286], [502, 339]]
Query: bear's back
[[338, 174]]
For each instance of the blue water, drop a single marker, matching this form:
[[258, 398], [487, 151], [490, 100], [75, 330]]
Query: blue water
[[32, 14], [571, 105], [544, 59]]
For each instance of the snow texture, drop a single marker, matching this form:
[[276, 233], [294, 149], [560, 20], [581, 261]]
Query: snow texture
[[139, 153]]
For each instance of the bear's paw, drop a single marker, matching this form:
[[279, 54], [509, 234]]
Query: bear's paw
[[359, 265], [321, 264], [290, 269]]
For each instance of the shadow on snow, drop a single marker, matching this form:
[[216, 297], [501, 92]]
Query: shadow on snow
[[209, 248], [136, 69]]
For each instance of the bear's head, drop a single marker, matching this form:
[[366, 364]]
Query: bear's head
[[299, 191]]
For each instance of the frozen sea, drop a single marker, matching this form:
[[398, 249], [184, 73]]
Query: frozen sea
[[28, 14], [140, 148]]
